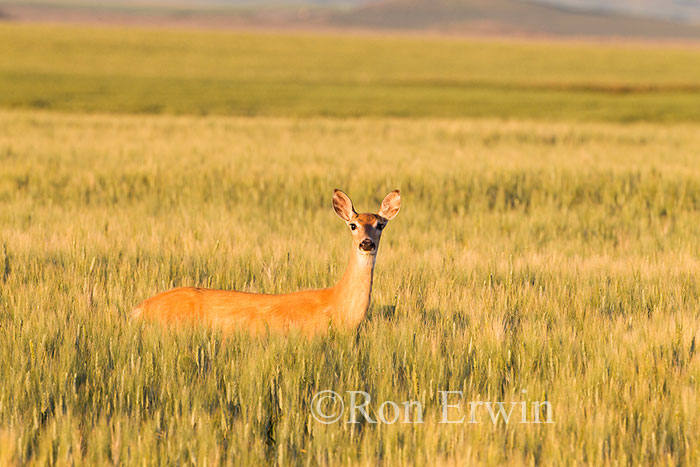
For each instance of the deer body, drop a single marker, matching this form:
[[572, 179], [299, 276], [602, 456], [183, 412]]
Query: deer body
[[343, 306]]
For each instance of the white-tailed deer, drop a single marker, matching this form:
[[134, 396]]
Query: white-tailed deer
[[343, 306]]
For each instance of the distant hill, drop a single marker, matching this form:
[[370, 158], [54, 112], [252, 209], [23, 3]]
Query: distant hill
[[684, 11], [506, 16], [569, 18]]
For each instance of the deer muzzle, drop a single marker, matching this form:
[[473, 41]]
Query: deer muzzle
[[367, 245]]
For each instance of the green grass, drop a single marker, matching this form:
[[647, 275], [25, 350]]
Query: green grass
[[197, 72], [558, 258]]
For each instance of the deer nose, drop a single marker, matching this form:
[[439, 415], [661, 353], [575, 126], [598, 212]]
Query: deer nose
[[367, 245]]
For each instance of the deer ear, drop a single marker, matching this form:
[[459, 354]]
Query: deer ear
[[391, 205], [343, 205]]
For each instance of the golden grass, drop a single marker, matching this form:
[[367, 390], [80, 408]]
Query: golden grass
[[556, 258]]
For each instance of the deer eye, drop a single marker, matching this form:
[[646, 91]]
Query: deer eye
[[380, 226], [353, 226]]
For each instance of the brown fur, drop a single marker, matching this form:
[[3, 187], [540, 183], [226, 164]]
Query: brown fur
[[310, 311]]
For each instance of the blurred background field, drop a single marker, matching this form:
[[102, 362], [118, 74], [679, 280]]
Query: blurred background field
[[302, 74], [548, 242]]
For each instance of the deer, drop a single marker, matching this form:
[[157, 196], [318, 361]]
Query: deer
[[342, 306]]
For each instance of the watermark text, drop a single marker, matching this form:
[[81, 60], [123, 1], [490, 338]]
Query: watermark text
[[352, 407]]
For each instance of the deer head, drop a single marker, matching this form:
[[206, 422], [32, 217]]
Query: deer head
[[366, 228]]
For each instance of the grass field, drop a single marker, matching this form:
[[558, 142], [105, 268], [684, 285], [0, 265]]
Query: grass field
[[162, 71], [555, 257]]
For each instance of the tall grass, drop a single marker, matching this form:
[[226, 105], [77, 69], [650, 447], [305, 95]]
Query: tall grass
[[554, 258]]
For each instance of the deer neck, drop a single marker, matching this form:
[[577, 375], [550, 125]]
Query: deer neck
[[352, 292]]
